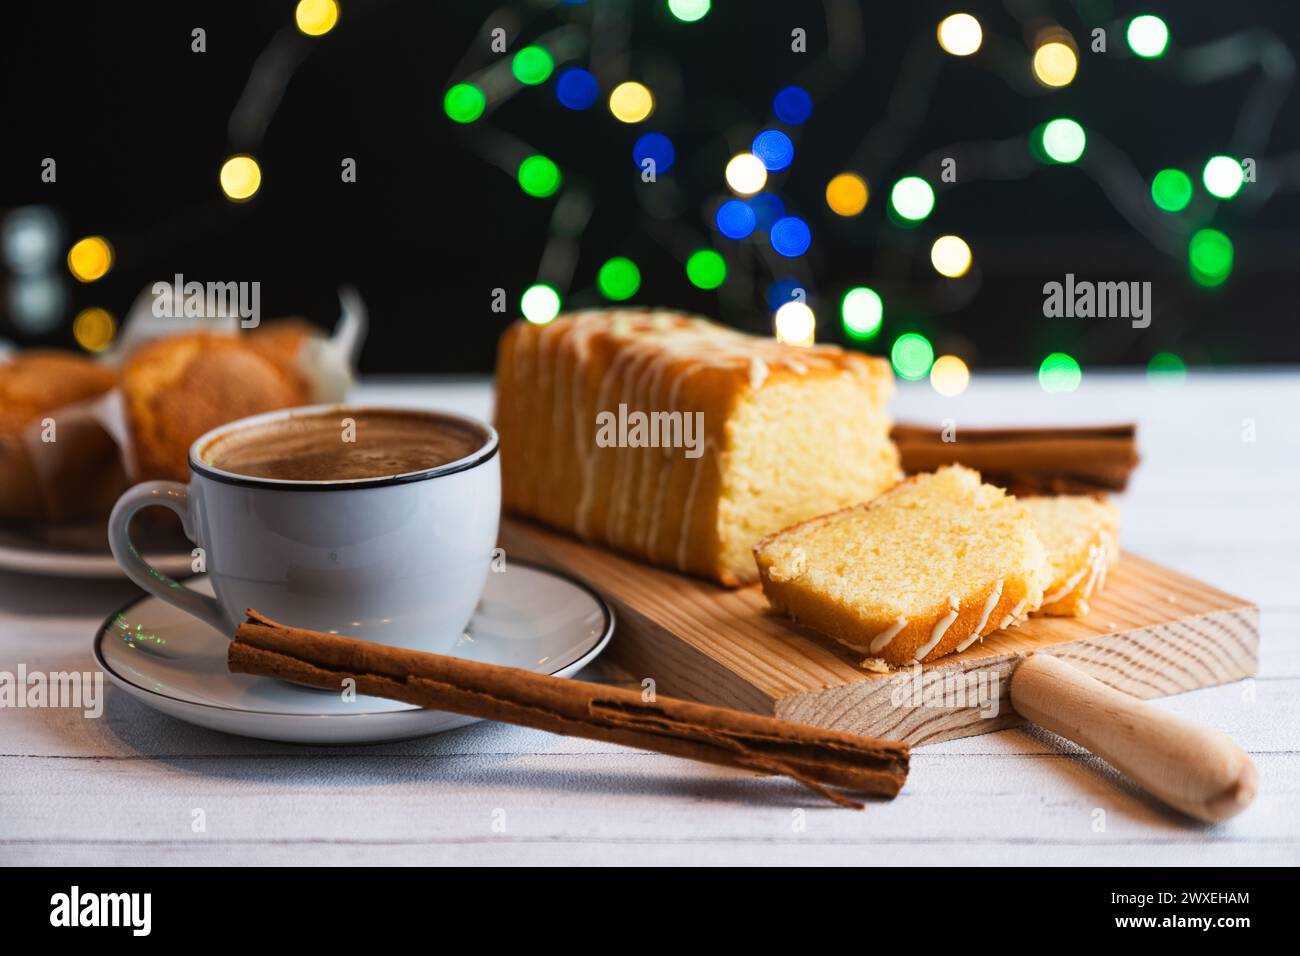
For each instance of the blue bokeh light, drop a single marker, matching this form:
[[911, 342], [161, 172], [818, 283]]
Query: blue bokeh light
[[768, 208], [654, 146], [783, 290], [790, 236], [577, 89], [774, 148], [792, 105], [735, 219]]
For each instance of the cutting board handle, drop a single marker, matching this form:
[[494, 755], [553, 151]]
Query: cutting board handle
[[1195, 769]]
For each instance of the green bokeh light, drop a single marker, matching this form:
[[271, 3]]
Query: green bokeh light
[[532, 65], [1209, 257], [688, 11], [706, 269], [861, 312], [1147, 36], [1064, 140], [1059, 373], [618, 279], [1171, 190], [539, 177], [464, 103], [912, 198], [540, 303], [912, 356], [1166, 368]]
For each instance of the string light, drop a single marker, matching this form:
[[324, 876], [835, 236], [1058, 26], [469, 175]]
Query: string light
[[631, 102], [532, 65], [90, 258], [795, 324], [1063, 140], [656, 147], [577, 89], [790, 236], [688, 11], [540, 303], [846, 194], [960, 34], [792, 105], [1147, 36], [950, 256], [1171, 190], [949, 376], [1222, 177], [861, 312], [316, 17], [1055, 64], [912, 356], [746, 174], [539, 176], [618, 279], [912, 198], [706, 269], [1209, 256], [774, 149], [1166, 368], [94, 329], [735, 219], [1059, 373], [240, 177], [464, 103]]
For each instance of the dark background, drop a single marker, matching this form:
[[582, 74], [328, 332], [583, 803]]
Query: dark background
[[139, 127]]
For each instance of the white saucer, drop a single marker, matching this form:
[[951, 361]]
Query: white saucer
[[81, 551], [528, 617]]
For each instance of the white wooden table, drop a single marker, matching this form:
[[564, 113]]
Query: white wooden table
[[123, 789]]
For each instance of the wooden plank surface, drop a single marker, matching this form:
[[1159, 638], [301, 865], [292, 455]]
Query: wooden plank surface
[[122, 789], [1151, 632]]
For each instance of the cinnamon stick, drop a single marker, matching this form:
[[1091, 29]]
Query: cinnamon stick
[[819, 759], [1064, 460]]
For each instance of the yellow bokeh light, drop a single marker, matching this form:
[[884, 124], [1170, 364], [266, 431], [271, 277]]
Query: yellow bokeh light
[[949, 375], [316, 17], [241, 177], [1055, 64], [846, 194], [94, 329], [90, 258], [631, 102], [950, 256], [960, 34], [746, 174], [795, 324]]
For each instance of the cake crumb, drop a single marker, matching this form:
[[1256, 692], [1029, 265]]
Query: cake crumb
[[877, 665], [794, 566]]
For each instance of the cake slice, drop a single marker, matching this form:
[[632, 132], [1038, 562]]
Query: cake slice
[[924, 570], [1081, 535]]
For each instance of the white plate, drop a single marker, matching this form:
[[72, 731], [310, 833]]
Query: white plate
[[528, 617], [81, 551]]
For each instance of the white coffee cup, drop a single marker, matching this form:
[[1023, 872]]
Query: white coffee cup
[[399, 560]]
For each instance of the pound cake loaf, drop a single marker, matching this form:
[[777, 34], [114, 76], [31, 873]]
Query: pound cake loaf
[[924, 570], [1081, 535], [681, 441]]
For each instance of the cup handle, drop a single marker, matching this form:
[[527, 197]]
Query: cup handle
[[176, 496]]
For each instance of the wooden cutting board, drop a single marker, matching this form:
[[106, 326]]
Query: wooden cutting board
[[1151, 632]]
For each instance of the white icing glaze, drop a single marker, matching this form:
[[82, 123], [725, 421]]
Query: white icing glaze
[[881, 640], [1011, 619], [940, 629], [758, 371], [1073, 579], [989, 605]]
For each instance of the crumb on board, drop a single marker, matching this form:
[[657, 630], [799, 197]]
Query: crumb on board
[[877, 665]]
